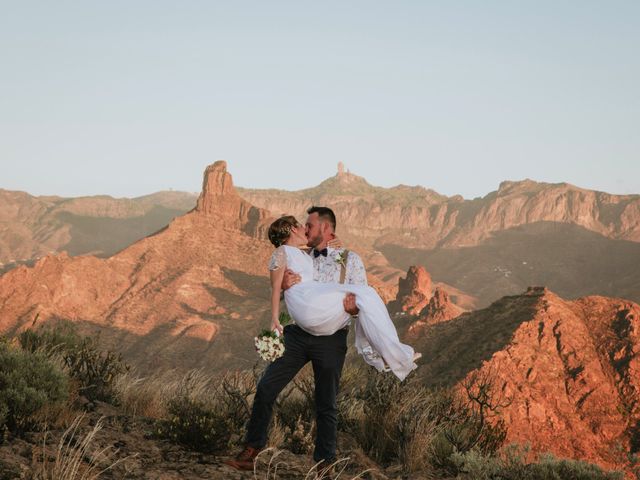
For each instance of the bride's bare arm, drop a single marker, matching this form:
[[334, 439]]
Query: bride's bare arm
[[276, 286]]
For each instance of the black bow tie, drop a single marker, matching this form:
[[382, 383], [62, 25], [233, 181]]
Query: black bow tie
[[322, 252]]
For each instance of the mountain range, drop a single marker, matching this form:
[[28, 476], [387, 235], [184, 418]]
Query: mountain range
[[193, 293]]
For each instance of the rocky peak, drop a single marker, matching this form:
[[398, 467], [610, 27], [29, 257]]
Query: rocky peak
[[439, 309], [537, 291], [567, 369], [345, 182], [220, 200], [216, 183], [414, 291], [439, 300]]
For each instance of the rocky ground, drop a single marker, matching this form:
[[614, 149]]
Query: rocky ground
[[129, 443]]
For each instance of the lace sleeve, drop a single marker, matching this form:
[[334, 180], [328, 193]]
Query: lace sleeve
[[278, 258]]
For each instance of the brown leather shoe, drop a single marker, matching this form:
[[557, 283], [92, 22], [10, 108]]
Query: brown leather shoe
[[245, 459]]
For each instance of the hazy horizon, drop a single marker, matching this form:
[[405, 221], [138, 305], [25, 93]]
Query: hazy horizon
[[197, 192], [126, 99]]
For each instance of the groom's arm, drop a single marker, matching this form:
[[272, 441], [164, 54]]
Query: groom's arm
[[289, 279]]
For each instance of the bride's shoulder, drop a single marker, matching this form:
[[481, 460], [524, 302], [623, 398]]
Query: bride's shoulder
[[278, 258]]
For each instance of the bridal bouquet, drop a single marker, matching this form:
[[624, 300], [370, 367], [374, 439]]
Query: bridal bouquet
[[269, 344]]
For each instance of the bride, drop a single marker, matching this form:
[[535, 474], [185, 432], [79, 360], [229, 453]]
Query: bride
[[318, 307]]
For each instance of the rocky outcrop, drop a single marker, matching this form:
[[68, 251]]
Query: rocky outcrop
[[513, 237], [414, 291], [439, 309], [567, 369], [166, 299], [220, 200]]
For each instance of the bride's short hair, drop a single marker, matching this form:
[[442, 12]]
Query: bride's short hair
[[280, 230]]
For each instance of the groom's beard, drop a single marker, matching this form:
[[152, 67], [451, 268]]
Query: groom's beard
[[314, 242]]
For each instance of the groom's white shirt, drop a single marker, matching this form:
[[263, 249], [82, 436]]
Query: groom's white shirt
[[327, 269]]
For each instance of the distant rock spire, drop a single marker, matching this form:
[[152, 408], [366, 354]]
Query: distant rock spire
[[340, 168], [414, 291], [217, 183], [220, 201]]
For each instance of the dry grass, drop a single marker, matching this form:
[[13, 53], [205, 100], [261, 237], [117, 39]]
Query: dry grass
[[76, 458], [149, 396], [277, 435], [145, 396], [274, 465]]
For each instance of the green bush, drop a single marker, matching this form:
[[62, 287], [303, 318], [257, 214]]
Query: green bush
[[407, 423], [206, 414], [29, 383], [511, 465], [60, 338], [196, 424], [94, 370]]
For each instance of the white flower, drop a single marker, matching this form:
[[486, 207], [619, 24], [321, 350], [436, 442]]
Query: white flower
[[268, 347]]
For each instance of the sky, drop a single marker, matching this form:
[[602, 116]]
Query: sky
[[129, 97]]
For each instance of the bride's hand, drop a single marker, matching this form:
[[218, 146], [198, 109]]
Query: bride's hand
[[335, 242], [276, 326]]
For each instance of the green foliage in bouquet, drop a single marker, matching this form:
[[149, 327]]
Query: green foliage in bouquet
[[284, 318]]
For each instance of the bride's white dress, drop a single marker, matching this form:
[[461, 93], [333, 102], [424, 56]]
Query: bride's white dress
[[318, 309]]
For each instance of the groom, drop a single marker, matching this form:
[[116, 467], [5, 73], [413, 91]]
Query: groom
[[326, 353]]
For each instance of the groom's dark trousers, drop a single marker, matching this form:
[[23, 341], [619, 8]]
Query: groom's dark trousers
[[326, 354]]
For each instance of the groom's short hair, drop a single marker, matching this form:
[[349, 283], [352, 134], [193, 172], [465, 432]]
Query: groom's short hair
[[324, 213]]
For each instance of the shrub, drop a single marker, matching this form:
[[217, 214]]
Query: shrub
[[206, 414], [95, 371], [29, 384], [59, 338], [406, 422], [511, 465], [196, 424]]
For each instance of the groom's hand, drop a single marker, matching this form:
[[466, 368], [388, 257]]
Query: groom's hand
[[349, 303], [289, 279]]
